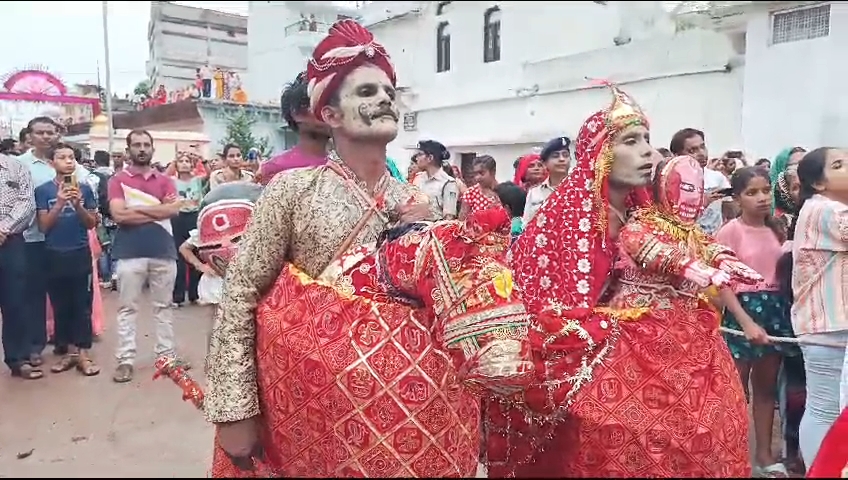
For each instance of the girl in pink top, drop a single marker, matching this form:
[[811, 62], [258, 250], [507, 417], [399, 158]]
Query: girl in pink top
[[758, 310]]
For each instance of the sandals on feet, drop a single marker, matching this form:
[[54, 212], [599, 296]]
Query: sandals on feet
[[775, 470], [65, 363], [27, 372], [87, 367]]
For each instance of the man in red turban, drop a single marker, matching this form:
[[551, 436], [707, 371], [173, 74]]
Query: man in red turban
[[308, 218]]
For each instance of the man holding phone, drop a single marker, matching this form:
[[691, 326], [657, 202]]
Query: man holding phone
[[690, 141]]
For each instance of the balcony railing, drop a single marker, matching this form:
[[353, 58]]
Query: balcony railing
[[306, 25]]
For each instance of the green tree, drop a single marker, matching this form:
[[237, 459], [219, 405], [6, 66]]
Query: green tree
[[240, 132], [143, 88]]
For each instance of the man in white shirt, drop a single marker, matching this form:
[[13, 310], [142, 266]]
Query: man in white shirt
[[690, 141], [556, 156], [433, 180]]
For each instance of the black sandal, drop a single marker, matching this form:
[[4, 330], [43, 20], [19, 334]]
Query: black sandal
[[27, 372]]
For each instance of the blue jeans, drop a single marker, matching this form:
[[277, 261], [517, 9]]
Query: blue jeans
[[37, 268], [16, 325], [105, 264], [823, 366]]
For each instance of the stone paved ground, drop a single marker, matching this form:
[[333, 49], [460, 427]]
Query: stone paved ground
[[75, 427]]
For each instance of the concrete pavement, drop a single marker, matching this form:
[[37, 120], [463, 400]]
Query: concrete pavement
[[78, 427]]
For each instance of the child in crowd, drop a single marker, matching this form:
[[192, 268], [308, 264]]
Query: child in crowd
[[513, 198], [758, 310], [66, 212], [211, 283]]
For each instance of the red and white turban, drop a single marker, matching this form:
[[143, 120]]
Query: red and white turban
[[347, 46]]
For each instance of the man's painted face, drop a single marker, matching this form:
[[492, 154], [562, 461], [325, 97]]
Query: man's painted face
[[367, 108], [559, 162], [632, 163], [695, 146]]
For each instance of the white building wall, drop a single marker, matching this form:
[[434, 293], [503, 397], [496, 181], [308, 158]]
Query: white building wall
[[776, 96], [179, 42], [794, 92], [538, 89], [278, 48]]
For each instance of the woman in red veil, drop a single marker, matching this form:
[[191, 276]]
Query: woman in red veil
[[530, 171], [624, 392]]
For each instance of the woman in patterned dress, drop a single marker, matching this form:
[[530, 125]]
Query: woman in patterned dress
[[481, 196]]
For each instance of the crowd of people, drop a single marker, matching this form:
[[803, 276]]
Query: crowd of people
[[641, 250], [70, 234]]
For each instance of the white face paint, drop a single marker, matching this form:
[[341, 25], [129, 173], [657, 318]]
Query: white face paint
[[632, 153], [367, 107]]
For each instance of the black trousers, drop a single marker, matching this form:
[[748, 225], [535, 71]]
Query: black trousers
[[15, 324], [187, 276], [69, 287]]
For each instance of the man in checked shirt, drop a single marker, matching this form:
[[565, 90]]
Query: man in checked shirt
[[17, 209]]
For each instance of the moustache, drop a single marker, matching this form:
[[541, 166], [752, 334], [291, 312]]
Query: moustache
[[385, 112]]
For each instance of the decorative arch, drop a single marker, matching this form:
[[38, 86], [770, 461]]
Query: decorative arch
[[34, 91], [35, 82]]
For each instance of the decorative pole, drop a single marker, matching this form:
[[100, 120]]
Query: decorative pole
[[108, 77]]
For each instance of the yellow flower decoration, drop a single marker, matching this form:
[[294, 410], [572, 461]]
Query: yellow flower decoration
[[502, 282]]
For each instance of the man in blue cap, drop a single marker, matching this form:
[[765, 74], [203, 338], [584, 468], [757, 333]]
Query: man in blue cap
[[556, 156]]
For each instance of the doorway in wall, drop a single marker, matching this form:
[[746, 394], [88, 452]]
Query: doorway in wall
[[466, 167]]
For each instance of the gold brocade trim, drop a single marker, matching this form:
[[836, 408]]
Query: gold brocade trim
[[603, 165], [623, 314], [305, 279], [698, 242]]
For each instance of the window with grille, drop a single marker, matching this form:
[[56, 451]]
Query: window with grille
[[492, 35], [442, 48], [801, 24]]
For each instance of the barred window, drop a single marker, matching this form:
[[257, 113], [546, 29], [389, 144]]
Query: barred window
[[800, 24]]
